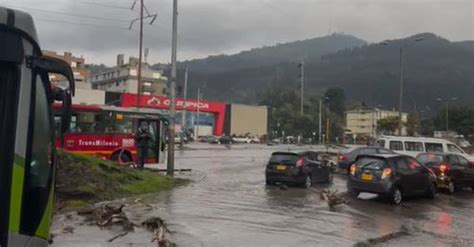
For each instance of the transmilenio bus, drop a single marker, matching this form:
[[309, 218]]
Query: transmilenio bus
[[108, 132], [27, 151]]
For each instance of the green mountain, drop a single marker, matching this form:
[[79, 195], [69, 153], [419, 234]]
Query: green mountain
[[434, 68]]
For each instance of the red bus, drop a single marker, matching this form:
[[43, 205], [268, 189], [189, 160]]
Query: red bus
[[108, 132]]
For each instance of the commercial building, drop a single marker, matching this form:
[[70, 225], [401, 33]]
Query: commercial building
[[363, 122], [78, 67], [123, 78], [244, 120], [203, 117]]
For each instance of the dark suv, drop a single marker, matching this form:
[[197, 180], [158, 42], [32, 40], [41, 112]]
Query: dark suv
[[305, 168], [453, 171], [392, 175], [345, 160]]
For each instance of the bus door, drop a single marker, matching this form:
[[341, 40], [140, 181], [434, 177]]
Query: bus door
[[27, 164], [154, 145]]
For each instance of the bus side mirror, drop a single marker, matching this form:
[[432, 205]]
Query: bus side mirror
[[47, 64]]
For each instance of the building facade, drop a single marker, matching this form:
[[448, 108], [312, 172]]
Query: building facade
[[364, 121], [81, 74], [242, 120], [123, 78]]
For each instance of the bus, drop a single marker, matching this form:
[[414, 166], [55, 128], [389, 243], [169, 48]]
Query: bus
[[108, 132], [27, 134]]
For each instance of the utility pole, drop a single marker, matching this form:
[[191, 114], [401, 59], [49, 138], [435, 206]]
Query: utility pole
[[140, 51], [183, 113], [172, 114], [447, 116], [400, 106], [140, 45], [302, 86], [320, 121], [198, 112]]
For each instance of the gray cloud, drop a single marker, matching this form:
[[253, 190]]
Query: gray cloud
[[208, 27]]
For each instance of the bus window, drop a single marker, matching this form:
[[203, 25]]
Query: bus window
[[414, 146], [396, 145], [433, 147], [454, 149], [39, 170]]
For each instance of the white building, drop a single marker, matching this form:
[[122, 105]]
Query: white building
[[124, 78], [364, 121]]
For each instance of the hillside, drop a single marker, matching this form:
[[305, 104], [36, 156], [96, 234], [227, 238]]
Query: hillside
[[434, 68], [469, 44], [272, 55]]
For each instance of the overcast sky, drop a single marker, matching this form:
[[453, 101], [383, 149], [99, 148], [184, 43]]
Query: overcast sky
[[98, 29]]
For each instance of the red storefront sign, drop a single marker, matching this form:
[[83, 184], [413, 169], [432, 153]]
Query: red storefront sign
[[160, 102]]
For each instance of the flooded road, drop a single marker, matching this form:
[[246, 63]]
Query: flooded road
[[228, 204]]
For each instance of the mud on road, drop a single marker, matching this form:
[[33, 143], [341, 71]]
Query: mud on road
[[228, 204]]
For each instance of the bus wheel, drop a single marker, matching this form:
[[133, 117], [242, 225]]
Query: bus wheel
[[121, 157]]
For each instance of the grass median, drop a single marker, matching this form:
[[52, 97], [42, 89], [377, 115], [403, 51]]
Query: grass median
[[83, 180]]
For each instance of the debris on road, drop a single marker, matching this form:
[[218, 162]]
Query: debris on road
[[333, 198], [159, 228]]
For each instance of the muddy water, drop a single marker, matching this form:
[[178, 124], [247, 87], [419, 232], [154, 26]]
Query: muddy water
[[228, 204]]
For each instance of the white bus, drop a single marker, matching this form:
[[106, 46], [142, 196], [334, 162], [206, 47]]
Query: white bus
[[415, 145]]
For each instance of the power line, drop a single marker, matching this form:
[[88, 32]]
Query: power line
[[80, 23], [65, 13]]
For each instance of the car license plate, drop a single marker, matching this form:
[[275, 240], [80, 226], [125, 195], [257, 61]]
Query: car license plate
[[367, 177], [281, 168]]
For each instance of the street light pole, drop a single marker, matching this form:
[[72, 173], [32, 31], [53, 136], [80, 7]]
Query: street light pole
[[198, 112], [172, 114], [400, 106], [320, 121], [447, 116], [183, 113], [302, 87]]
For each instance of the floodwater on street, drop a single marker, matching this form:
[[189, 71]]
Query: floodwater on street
[[228, 204]]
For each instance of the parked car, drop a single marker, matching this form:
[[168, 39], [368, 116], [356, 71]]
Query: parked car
[[453, 171], [246, 139], [346, 159], [394, 176], [414, 146], [304, 169], [225, 140]]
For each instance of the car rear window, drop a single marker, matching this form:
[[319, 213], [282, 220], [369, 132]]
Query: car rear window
[[371, 163], [283, 158], [427, 158]]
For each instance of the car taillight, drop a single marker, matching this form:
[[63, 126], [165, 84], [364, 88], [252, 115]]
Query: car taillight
[[353, 169], [443, 168], [387, 172], [300, 162], [342, 157]]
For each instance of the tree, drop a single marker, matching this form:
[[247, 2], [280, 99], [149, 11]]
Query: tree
[[461, 120], [387, 125], [412, 124], [336, 100]]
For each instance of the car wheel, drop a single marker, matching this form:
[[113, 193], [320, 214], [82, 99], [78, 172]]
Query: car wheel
[[396, 196], [353, 193], [308, 182], [432, 191], [451, 188]]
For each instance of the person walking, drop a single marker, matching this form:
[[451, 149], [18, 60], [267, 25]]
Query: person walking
[[142, 139]]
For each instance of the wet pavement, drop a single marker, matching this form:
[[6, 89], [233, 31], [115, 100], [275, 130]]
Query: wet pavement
[[228, 204]]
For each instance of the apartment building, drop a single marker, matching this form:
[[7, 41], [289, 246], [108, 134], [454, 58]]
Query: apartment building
[[123, 78], [364, 121], [78, 67]]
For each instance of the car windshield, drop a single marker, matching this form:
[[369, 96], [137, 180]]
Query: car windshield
[[370, 163], [428, 158]]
